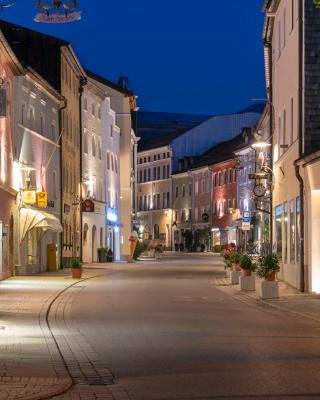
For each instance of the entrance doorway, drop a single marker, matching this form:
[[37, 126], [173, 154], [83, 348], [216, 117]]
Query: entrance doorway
[[94, 244]]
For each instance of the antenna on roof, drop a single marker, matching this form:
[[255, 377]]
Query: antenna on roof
[[57, 11], [6, 4]]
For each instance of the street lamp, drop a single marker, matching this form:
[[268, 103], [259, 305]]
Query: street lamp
[[57, 11], [6, 4]]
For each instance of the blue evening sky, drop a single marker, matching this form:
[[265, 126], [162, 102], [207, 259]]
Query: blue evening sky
[[191, 56]]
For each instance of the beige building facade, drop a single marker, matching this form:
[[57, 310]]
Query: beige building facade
[[154, 194]]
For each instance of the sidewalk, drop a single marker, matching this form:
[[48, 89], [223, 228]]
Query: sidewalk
[[304, 305], [31, 365]]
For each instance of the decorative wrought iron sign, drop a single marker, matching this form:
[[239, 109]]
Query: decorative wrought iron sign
[[58, 11]]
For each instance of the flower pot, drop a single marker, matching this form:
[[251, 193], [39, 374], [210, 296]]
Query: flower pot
[[246, 272], [236, 267], [271, 277], [76, 273]]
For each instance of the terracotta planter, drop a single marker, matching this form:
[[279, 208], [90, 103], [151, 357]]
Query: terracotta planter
[[76, 273], [271, 277], [236, 267], [246, 272]]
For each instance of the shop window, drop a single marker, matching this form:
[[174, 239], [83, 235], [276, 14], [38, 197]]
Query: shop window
[[285, 232], [298, 236], [292, 233], [190, 189], [278, 231], [183, 191]]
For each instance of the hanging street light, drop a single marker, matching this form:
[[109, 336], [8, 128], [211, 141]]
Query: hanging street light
[[57, 11], [6, 4]]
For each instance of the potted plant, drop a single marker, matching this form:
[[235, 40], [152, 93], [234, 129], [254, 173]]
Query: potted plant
[[235, 260], [268, 267], [103, 254], [109, 256], [247, 265], [158, 252], [76, 268]]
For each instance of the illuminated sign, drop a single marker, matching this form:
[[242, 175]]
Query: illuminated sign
[[112, 216], [29, 197], [58, 18], [42, 199]]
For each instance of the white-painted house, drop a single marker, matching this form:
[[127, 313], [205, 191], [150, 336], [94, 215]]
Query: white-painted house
[[100, 174]]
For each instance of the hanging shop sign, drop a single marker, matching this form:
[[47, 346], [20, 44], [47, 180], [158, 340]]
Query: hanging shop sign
[[42, 199], [29, 196], [246, 226], [87, 206]]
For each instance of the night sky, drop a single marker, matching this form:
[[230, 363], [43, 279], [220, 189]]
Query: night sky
[[189, 56]]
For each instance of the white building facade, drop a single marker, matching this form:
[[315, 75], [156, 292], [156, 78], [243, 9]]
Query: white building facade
[[37, 174], [100, 174]]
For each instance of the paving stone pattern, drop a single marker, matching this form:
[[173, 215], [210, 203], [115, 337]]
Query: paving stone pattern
[[31, 366]]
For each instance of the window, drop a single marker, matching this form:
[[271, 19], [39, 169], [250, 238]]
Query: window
[[230, 176], [164, 155], [108, 161], [54, 183], [229, 204], [154, 157], [164, 170], [158, 173], [140, 176], [23, 111], [111, 130], [278, 231], [203, 186], [292, 233], [144, 175], [140, 203], [183, 190], [53, 131], [285, 232], [292, 15], [298, 236], [168, 171], [85, 141], [31, 117], [149, 158], [284, 134], [177, 192], [159, 156], [214, 179], [99, 150], [168, 155], [183, 215], [149, 174], [155, 173], [93, 143], [190, 189], [291, 121], [164, 200], [112, 162], [219, 178], [42, 123], [168, 199], [93, 109], [99, 112]]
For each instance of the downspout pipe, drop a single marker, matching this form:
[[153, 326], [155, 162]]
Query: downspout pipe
[[83, 83], [301, 149], [61, 182]]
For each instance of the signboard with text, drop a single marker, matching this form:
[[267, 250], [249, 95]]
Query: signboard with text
[[29, 197]]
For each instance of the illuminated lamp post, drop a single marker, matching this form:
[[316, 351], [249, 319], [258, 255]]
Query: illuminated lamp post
[[57, 11]]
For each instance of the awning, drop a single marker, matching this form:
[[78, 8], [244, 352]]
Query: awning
[[30, 218]]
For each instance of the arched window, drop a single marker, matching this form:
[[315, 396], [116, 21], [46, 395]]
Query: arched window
[[93, 142], [156, 232]]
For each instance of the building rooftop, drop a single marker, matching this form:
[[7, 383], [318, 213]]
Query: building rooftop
[[37, 50]]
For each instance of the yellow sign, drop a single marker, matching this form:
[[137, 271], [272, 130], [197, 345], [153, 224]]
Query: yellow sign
[[42, 199], [29, 196]]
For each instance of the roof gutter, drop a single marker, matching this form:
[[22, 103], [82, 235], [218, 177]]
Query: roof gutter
[[301, 149]]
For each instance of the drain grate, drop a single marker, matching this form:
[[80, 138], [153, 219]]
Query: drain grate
[[101, 382]]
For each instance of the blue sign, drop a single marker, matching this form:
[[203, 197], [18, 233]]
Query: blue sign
[[246, 216]]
